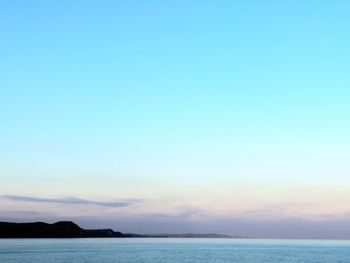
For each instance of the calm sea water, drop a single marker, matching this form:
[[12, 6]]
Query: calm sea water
[[171, 250]]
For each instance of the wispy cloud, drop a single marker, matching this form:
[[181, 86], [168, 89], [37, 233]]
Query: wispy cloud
[[73, 201], [184, 212]]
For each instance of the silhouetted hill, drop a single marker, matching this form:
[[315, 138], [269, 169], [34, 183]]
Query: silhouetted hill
[[62, 229], [68, 229]]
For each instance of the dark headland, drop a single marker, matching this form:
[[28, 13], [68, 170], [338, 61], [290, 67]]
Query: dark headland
[[62, 229], [68, 229]]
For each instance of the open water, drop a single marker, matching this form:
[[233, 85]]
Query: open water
[[169, 250]]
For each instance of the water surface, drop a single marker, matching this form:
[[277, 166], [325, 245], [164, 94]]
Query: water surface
[[169, 250]]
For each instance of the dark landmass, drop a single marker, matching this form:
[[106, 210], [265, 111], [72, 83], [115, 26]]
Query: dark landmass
[[68, 229], [62, 229]]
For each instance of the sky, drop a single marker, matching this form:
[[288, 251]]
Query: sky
[[177, 116]]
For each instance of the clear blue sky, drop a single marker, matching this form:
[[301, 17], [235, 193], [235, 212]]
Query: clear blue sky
[[191, 110]]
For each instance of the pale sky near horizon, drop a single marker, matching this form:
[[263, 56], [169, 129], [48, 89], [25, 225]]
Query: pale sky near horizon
[[177, 116]]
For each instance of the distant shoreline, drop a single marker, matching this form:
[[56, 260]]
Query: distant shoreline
[[68, 229]]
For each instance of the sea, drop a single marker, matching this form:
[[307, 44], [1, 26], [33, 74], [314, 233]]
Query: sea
[[171, 250]]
